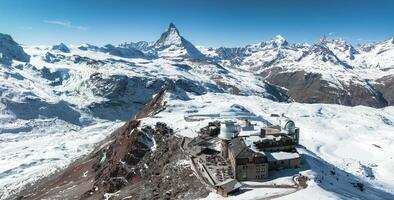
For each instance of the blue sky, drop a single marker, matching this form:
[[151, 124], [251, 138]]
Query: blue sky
[[210, 23]]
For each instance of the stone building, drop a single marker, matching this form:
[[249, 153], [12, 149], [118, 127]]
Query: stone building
[[246, 164], [255, 150], [283, 160], [275, 142], [227, 187]]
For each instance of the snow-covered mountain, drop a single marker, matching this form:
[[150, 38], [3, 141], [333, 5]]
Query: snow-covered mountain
[[10, 50], [337, 71], [57, 102], [170, 45]]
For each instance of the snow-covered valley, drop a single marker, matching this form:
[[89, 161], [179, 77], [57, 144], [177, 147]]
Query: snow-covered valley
[[58, 102]]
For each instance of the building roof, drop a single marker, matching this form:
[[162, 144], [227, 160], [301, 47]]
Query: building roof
[[258, 143], [248, 131], [237, 146], [229, 185], [281, 155], [240, 150]]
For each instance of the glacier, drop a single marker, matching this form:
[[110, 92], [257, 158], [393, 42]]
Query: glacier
[[58, 102]]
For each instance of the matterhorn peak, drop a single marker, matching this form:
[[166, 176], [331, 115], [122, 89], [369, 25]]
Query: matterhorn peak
[[170, 37], [172, 26], [172, 44], [173, 30]]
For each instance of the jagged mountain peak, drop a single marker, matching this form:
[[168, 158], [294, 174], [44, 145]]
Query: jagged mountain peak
[[172, 26], [279, 40], [87, 47], [173, 29], [5, 37], [386, 44], [172, 44], [323, 40], [11, 50], [170, 37], [390, 40], [61, 47], [275, 42], [338, 46], [140, 45], [338, 41]]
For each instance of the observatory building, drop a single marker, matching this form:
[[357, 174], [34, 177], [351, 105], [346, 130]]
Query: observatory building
[[253, 150], [227, 133], [249, 149]]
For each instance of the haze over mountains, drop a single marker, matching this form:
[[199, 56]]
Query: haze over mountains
[[88, 91]]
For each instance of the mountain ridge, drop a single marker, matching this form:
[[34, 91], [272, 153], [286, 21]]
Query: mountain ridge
[[56, 105], [336, 63]]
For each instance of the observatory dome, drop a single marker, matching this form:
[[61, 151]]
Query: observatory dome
[[227, 130]]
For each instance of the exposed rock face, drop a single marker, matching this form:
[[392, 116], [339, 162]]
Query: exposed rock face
[[10, 50], [311, 88], [171, 43], [134, 162], [108, 87], [386, 86], [88, 47], [61, 47], [33, 107], [142, 45], [154, 106], [122, 52], [120, 92], [329, 71], [51, 58]]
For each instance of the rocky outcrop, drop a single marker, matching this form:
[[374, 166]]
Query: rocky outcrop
[[10, 50], [61, 48], [134, 162], [52, 58], [122, 52], [312, 88], [172, 44], [386, 87], [88, 47]]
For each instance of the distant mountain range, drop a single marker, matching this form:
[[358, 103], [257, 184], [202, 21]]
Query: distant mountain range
[[52, 94], [329, 71]]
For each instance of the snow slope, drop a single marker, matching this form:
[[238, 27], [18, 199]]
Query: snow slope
[[65, 101], [57, 102], [354, 143], [329, 57]]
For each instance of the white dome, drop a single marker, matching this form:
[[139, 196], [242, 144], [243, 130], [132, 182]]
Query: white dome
[[287, 124], [227, 130]]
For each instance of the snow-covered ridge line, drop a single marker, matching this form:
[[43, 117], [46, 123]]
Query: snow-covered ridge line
[[63, 99]]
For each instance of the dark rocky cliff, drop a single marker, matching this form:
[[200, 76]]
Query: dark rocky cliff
[[311, 88], [133, 163]]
